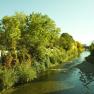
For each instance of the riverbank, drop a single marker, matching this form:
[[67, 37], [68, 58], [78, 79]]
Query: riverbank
[[25, 76], [90, 59], [41, 75], [56, 81]]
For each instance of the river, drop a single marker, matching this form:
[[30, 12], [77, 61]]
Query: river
[[76, 77]]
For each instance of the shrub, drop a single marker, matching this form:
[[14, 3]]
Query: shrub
[[20, 73], [7, 77], [24, 73]]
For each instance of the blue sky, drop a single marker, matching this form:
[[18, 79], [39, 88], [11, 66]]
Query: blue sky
[[75, 17]]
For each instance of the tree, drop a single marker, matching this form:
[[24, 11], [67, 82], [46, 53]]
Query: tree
[[91, 48], [12, 31], [66, 41], [12, 34], [80, 47], [40, 30]]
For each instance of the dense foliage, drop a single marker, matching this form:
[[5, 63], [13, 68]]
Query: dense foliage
[[29, 45], [91, 48], [90, 58]]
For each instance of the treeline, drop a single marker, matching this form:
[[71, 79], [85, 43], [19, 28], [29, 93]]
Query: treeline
[[91, 48], [29, 45], [90, 58]]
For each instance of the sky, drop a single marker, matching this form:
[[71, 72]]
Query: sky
[[75, 17]]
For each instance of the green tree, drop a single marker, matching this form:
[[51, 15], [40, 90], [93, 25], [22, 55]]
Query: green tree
[[12, 35], [12, 31], [91, 48], [40, 30], [80, 47], [66, 41]]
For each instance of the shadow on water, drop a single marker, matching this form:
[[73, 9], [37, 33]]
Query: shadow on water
[[86, 72]]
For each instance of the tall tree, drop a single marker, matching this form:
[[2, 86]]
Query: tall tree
[[12, 31]]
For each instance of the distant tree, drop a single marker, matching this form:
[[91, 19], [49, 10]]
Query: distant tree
[[91, 48], [80, 47], [66, 41]]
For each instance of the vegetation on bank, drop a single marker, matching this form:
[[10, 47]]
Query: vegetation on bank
[[91, 48], [90, 58], [30, 44]]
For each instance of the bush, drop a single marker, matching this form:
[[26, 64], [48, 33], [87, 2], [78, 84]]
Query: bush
[[21, 73], [7, 77], [25, 73]]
